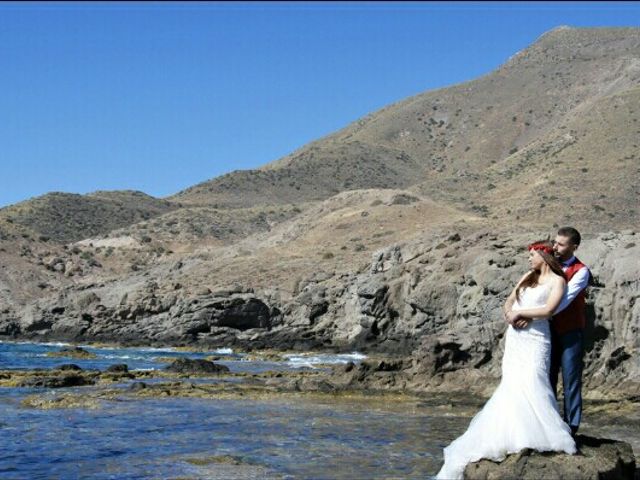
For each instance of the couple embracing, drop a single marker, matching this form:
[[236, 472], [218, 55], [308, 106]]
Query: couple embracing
[[546, 317]]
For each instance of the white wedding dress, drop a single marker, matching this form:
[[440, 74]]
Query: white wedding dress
[[522, 412]]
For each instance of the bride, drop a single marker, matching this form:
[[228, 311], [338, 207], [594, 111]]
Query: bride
[[522, 412]]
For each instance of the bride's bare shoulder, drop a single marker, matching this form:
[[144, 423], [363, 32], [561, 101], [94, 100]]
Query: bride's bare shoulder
[[558, 280]]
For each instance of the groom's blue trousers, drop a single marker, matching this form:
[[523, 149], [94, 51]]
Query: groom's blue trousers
[[566, 354]]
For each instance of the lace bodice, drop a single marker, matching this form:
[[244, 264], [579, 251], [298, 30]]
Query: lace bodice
[[533, 297]]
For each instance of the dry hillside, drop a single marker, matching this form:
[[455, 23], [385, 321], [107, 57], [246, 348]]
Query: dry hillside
[[551, 134]]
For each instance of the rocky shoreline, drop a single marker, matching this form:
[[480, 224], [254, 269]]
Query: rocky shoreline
[[427, 314], [432, 306]]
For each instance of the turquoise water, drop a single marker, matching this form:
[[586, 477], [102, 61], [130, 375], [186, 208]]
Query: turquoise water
[[155, 438]]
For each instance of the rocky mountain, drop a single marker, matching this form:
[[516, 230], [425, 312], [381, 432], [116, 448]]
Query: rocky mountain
[[511, 144], [400, 234]]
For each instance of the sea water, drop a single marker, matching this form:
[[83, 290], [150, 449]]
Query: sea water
[[162, 438]]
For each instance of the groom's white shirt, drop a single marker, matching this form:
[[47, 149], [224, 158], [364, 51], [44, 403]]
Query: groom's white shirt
[[578, 282]]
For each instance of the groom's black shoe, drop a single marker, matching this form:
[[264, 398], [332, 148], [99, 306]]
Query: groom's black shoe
[[574, 435]]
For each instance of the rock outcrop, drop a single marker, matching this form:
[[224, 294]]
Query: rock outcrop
[[58, 381], [187, 365], [598, 459]]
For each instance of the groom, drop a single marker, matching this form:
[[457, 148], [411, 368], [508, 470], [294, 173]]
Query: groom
[[567, 326]]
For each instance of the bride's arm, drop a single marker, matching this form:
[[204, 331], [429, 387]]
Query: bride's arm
[[554, 299], [508, 304]]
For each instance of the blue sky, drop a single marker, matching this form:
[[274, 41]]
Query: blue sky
[[160, 96]]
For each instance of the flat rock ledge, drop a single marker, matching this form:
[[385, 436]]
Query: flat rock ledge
[[597, 459]]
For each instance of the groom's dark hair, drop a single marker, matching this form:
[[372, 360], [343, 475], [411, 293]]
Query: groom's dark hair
[[571, 233]]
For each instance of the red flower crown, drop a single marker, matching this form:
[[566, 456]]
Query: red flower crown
[[541, 246]]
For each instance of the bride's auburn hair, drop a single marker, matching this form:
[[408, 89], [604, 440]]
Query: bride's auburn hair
[[545, 250]]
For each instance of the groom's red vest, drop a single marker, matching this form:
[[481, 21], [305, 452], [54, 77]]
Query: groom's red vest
[[573, 317]]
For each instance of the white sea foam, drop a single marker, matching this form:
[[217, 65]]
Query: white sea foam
[[219, 351], [129, 357], [48, 344], [224, 351], [136, 349], [155, 349], [310, 360]]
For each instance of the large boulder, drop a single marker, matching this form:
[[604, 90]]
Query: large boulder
[[597, 459], [187, 365]]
